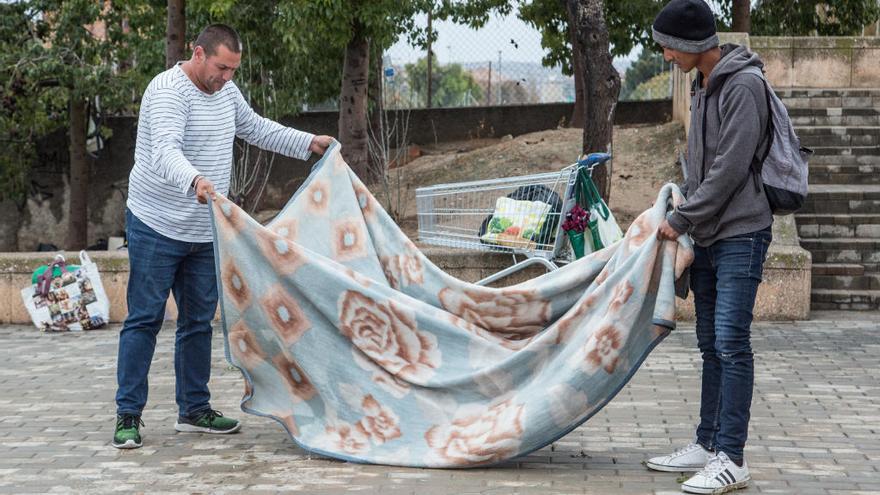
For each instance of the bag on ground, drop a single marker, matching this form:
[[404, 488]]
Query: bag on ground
[[66, 297]]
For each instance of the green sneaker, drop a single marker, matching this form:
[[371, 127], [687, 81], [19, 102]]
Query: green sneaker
[[210, 421], [128, 434]]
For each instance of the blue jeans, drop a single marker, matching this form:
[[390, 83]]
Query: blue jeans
[[158, 265], [724, 279]]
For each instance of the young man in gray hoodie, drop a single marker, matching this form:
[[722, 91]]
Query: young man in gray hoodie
[[727, 215]]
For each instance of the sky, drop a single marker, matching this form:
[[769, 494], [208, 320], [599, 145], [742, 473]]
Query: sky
[[513, 38]]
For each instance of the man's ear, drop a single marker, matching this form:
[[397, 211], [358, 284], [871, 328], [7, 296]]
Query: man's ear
[[199, 54]]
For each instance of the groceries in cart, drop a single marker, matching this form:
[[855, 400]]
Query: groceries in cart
[[520, 215], [523, 218]]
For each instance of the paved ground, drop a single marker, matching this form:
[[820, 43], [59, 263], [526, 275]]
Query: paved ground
[[815, 423]]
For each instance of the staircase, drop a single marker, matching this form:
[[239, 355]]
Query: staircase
[[840, 223]]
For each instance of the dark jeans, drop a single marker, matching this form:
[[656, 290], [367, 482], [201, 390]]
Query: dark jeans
[[724, 279], [159, 265]]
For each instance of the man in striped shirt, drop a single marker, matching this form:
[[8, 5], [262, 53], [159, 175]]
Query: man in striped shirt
[[189, 118]]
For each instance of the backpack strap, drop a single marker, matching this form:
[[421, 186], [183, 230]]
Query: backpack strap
[[757, 164]]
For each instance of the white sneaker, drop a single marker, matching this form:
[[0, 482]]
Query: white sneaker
[[691, 458], [720, 475]]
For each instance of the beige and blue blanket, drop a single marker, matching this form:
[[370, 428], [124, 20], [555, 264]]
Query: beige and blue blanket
[[364, 350]]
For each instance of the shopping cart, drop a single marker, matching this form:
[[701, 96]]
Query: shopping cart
[[465, 215]]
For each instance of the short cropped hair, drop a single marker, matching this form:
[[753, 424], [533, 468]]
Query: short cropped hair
[[216, 34]]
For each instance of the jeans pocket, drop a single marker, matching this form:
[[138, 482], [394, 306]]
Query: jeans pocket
[[760, 246]]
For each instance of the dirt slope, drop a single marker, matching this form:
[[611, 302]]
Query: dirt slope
[[644, 159]]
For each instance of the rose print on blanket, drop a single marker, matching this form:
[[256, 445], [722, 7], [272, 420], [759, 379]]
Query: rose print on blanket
[[388, 382], [572, 319], [512, 341], [380, 423], [603, 349], [507, 310], [402, 270], [347, 438], [481, 437], [388, 335], [620, 296]]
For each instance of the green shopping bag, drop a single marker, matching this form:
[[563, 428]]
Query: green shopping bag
[[603, 226]]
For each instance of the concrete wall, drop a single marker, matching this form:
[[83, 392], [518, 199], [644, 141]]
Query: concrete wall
[[820, 62], [42, 217], [798, 62], [784, 269], [430, 125]]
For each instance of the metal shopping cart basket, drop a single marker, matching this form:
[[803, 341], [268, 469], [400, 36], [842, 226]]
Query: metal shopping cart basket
[[517, 215]]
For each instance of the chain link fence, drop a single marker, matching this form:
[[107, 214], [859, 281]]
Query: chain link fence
[[499, 64]]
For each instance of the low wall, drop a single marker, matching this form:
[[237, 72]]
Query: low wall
[[785, 268], [784, 294], [431, 125]]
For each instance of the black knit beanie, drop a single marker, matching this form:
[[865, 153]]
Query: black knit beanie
[[687, 26]]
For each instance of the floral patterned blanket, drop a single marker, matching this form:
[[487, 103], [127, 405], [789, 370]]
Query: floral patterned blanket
[[364, 350]]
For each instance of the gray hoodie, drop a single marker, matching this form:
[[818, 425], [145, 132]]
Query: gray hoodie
[[723, 197]]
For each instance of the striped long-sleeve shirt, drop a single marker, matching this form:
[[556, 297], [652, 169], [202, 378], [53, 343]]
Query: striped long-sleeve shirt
[[182, 133]]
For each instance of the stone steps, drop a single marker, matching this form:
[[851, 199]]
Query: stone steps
[[830, 226], [840, 222], [868, 281], [844, 299], [810, 93], [842, 199], [825, 120], [842, 175], [873, 160], [862, 251], [817, 136], [845, 150]]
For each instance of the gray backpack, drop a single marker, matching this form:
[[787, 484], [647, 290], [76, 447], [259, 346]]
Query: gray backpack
[[783, 169]]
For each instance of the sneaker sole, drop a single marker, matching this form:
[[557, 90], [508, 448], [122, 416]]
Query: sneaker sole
[[129, 444], [673, 469], [716, 491], [188, 428]]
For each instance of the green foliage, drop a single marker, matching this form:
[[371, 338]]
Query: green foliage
[[654, 88], [809, 17], [646, 66], [452, 86], [48, 56], [629, 25]]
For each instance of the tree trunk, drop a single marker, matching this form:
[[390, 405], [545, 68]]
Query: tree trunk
[[376, 109], [353, 119], [742, 21], [577, 63], [601, 85], [175, 35], [78, 207]]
